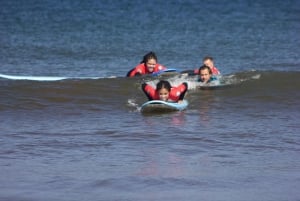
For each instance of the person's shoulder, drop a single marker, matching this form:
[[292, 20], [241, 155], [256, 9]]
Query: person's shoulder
[[141, 68], [141, 65], [215, 71], [185, 84], [136, 71], [181, 87]]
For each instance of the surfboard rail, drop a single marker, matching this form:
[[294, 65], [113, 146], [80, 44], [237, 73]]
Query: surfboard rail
[[163, 106], [165, 72]]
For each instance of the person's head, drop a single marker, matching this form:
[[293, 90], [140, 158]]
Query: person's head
[[150, 61], [205, 73], [163, 89], [208, 61]]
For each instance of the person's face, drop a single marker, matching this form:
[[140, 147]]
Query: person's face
[[151, 65], [163, 94], [209, 63], [204, 75]]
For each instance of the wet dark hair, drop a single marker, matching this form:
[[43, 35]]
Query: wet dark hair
[[203, 67], [148, 56], [163, 84]]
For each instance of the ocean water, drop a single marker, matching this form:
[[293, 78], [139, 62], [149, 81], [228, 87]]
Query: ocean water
[[80, 135]]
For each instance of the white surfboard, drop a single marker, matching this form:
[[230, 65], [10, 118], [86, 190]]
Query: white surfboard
[[41, 78], [163, 106], [35, 78]]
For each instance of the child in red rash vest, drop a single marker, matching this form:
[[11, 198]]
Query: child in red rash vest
[[165, 92]]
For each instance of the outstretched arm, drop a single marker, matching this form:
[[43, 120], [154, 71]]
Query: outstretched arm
[[146, 90]]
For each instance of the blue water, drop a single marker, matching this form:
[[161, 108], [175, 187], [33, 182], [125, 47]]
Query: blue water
[[85, 139], [107, 39]]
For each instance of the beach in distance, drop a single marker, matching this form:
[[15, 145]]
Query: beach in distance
[[71, 121]]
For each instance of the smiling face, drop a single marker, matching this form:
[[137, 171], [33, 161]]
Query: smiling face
[[163, 94], [150, 64]]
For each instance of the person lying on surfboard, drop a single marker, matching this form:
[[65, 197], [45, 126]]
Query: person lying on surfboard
[[206, 76], [165, 92], [208, 61], [148, 65]]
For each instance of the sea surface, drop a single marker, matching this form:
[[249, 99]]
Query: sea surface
[[71, 128]]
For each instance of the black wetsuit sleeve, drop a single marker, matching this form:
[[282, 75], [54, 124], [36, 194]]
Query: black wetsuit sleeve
[[181, 97]]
